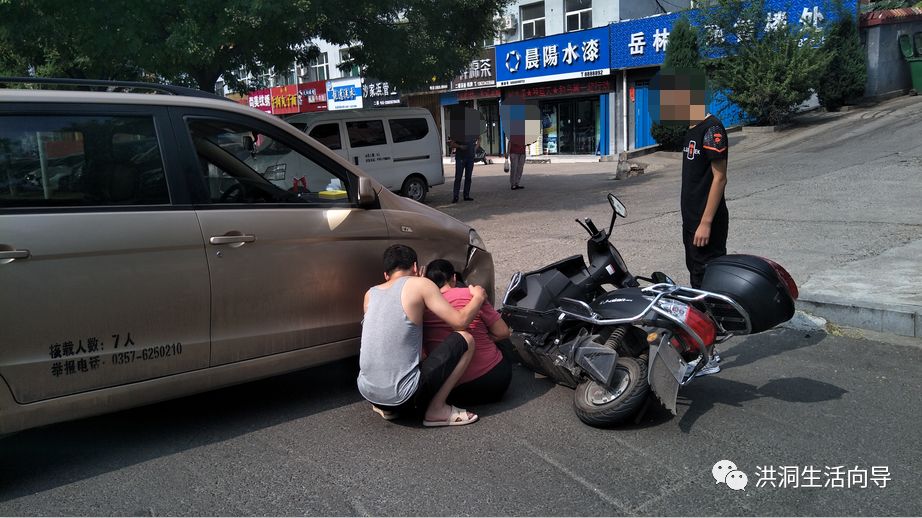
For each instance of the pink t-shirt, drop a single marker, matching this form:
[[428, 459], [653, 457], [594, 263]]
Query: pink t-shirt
[[486, 355]]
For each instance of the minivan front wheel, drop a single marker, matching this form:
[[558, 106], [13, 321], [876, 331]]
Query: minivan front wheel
[[415, 188]]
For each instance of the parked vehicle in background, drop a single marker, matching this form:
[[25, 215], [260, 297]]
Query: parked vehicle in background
[[399, 147], [142, 257]]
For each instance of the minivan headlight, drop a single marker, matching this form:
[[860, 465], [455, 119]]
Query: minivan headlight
[[475, 240]]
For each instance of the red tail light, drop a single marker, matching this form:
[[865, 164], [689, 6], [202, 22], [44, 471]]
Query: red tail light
[[701, 325], [785, 278], [699, 322]]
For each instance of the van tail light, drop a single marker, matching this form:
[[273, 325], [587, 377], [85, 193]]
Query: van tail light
[[784, 277], [697, 321]]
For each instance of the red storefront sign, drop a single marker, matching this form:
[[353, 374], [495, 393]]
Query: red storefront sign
[[284, 100], [483, 93], [564, 88], [261, 100], [313, 96]]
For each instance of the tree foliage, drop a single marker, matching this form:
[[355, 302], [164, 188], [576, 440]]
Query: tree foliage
[[766, 69], [845, 76], [681, 54], [405, 42]]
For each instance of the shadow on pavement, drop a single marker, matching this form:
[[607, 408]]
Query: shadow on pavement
[[44, 458]]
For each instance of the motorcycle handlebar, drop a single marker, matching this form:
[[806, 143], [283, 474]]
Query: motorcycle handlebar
[[590, 226]]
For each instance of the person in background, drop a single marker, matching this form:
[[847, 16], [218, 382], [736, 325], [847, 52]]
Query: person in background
[[487, 377]]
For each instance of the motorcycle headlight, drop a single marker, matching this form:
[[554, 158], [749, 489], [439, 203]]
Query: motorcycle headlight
[[475, 240]]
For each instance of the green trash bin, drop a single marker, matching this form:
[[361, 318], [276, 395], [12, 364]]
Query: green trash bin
[[913, 56]]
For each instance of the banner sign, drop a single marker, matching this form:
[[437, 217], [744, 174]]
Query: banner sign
[[379, 94], [312, 97], [570, 55], [642, 42], [284, 99], [261, 100], [344, 94], [480, 72]]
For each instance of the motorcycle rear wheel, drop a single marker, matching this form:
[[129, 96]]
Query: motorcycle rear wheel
[[601, 406]]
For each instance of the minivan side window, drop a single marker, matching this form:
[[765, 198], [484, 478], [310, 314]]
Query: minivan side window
[[242, 166], [328, 135], [366, 133], [406, 130], [79, 161]]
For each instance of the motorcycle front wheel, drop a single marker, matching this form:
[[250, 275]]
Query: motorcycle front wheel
[[601, 406]]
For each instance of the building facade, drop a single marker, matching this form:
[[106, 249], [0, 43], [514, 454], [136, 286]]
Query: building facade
[[587, 64]]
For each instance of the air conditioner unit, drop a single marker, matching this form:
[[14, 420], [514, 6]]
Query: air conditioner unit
[[507, 23]]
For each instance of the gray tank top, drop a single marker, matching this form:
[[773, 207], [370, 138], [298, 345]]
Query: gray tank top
[[391, 344]]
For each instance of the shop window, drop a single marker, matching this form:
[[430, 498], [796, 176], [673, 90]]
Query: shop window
[[319, 68], [72, 161], [579, 15], [406, 130], [533, 21], [366, 133], [328, 135]]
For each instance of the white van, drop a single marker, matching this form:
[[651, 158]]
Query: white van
[[399, 147]]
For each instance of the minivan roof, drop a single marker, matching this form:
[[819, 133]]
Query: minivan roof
[[363, 113]]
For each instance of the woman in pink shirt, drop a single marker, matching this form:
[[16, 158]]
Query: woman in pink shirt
[[487, 377]]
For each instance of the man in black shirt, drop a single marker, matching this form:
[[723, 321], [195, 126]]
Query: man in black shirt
[[705, 219], [704, 210]]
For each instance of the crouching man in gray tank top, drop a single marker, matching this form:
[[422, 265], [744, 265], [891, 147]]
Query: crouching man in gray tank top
[[391, 375]]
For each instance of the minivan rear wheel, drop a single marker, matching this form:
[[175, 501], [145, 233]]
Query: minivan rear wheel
[[415, 188]]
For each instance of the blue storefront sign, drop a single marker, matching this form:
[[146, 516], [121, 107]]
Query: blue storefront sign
[[642, 42], [570, 55], [344, 94]]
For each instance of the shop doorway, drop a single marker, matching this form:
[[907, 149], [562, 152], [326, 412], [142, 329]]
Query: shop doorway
[[571, 127], [489, 114], [643, 123]]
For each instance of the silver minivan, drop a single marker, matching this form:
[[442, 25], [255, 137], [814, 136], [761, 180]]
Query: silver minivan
[[142, 257]]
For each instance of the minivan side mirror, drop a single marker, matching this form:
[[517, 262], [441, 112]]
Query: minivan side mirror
[[367, 194]]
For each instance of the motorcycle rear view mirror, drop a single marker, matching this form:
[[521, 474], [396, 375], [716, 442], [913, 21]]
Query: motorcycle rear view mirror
[[619, 209], [617, 205]]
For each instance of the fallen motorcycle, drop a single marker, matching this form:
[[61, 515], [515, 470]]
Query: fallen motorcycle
[[595, 328]]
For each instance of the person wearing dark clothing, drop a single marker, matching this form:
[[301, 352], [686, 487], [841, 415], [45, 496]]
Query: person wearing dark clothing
[[464, 167], [705, 219]]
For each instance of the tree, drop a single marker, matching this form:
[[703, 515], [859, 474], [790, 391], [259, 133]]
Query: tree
[[405, 42], [844, 78], [767, 66], [681, 54]]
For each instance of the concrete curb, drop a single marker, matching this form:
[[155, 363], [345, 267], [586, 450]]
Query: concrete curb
[[895, 319]]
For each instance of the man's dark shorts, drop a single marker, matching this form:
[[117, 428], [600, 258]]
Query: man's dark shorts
[[433, 371]]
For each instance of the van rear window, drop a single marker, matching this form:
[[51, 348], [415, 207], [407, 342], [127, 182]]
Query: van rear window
[[406, 130], [366, 133]]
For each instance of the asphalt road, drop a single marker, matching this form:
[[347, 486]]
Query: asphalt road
[[835, 189], [306, 444]]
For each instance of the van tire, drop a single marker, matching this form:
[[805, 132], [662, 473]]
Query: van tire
[[415, 188]]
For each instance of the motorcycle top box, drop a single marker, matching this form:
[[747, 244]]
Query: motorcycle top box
[[762, 287]]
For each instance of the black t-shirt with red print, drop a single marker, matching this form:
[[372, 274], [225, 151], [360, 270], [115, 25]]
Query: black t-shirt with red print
[[704, 143]]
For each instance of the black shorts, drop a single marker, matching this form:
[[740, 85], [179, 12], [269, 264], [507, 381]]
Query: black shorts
[[433, 371]]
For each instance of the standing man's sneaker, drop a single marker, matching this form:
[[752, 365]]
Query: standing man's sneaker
[[468, 198], [712, 367]]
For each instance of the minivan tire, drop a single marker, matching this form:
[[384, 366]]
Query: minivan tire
[[415, 188]]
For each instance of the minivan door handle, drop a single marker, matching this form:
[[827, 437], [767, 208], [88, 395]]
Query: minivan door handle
[[14, 254], [356, 160], [238, 239]]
